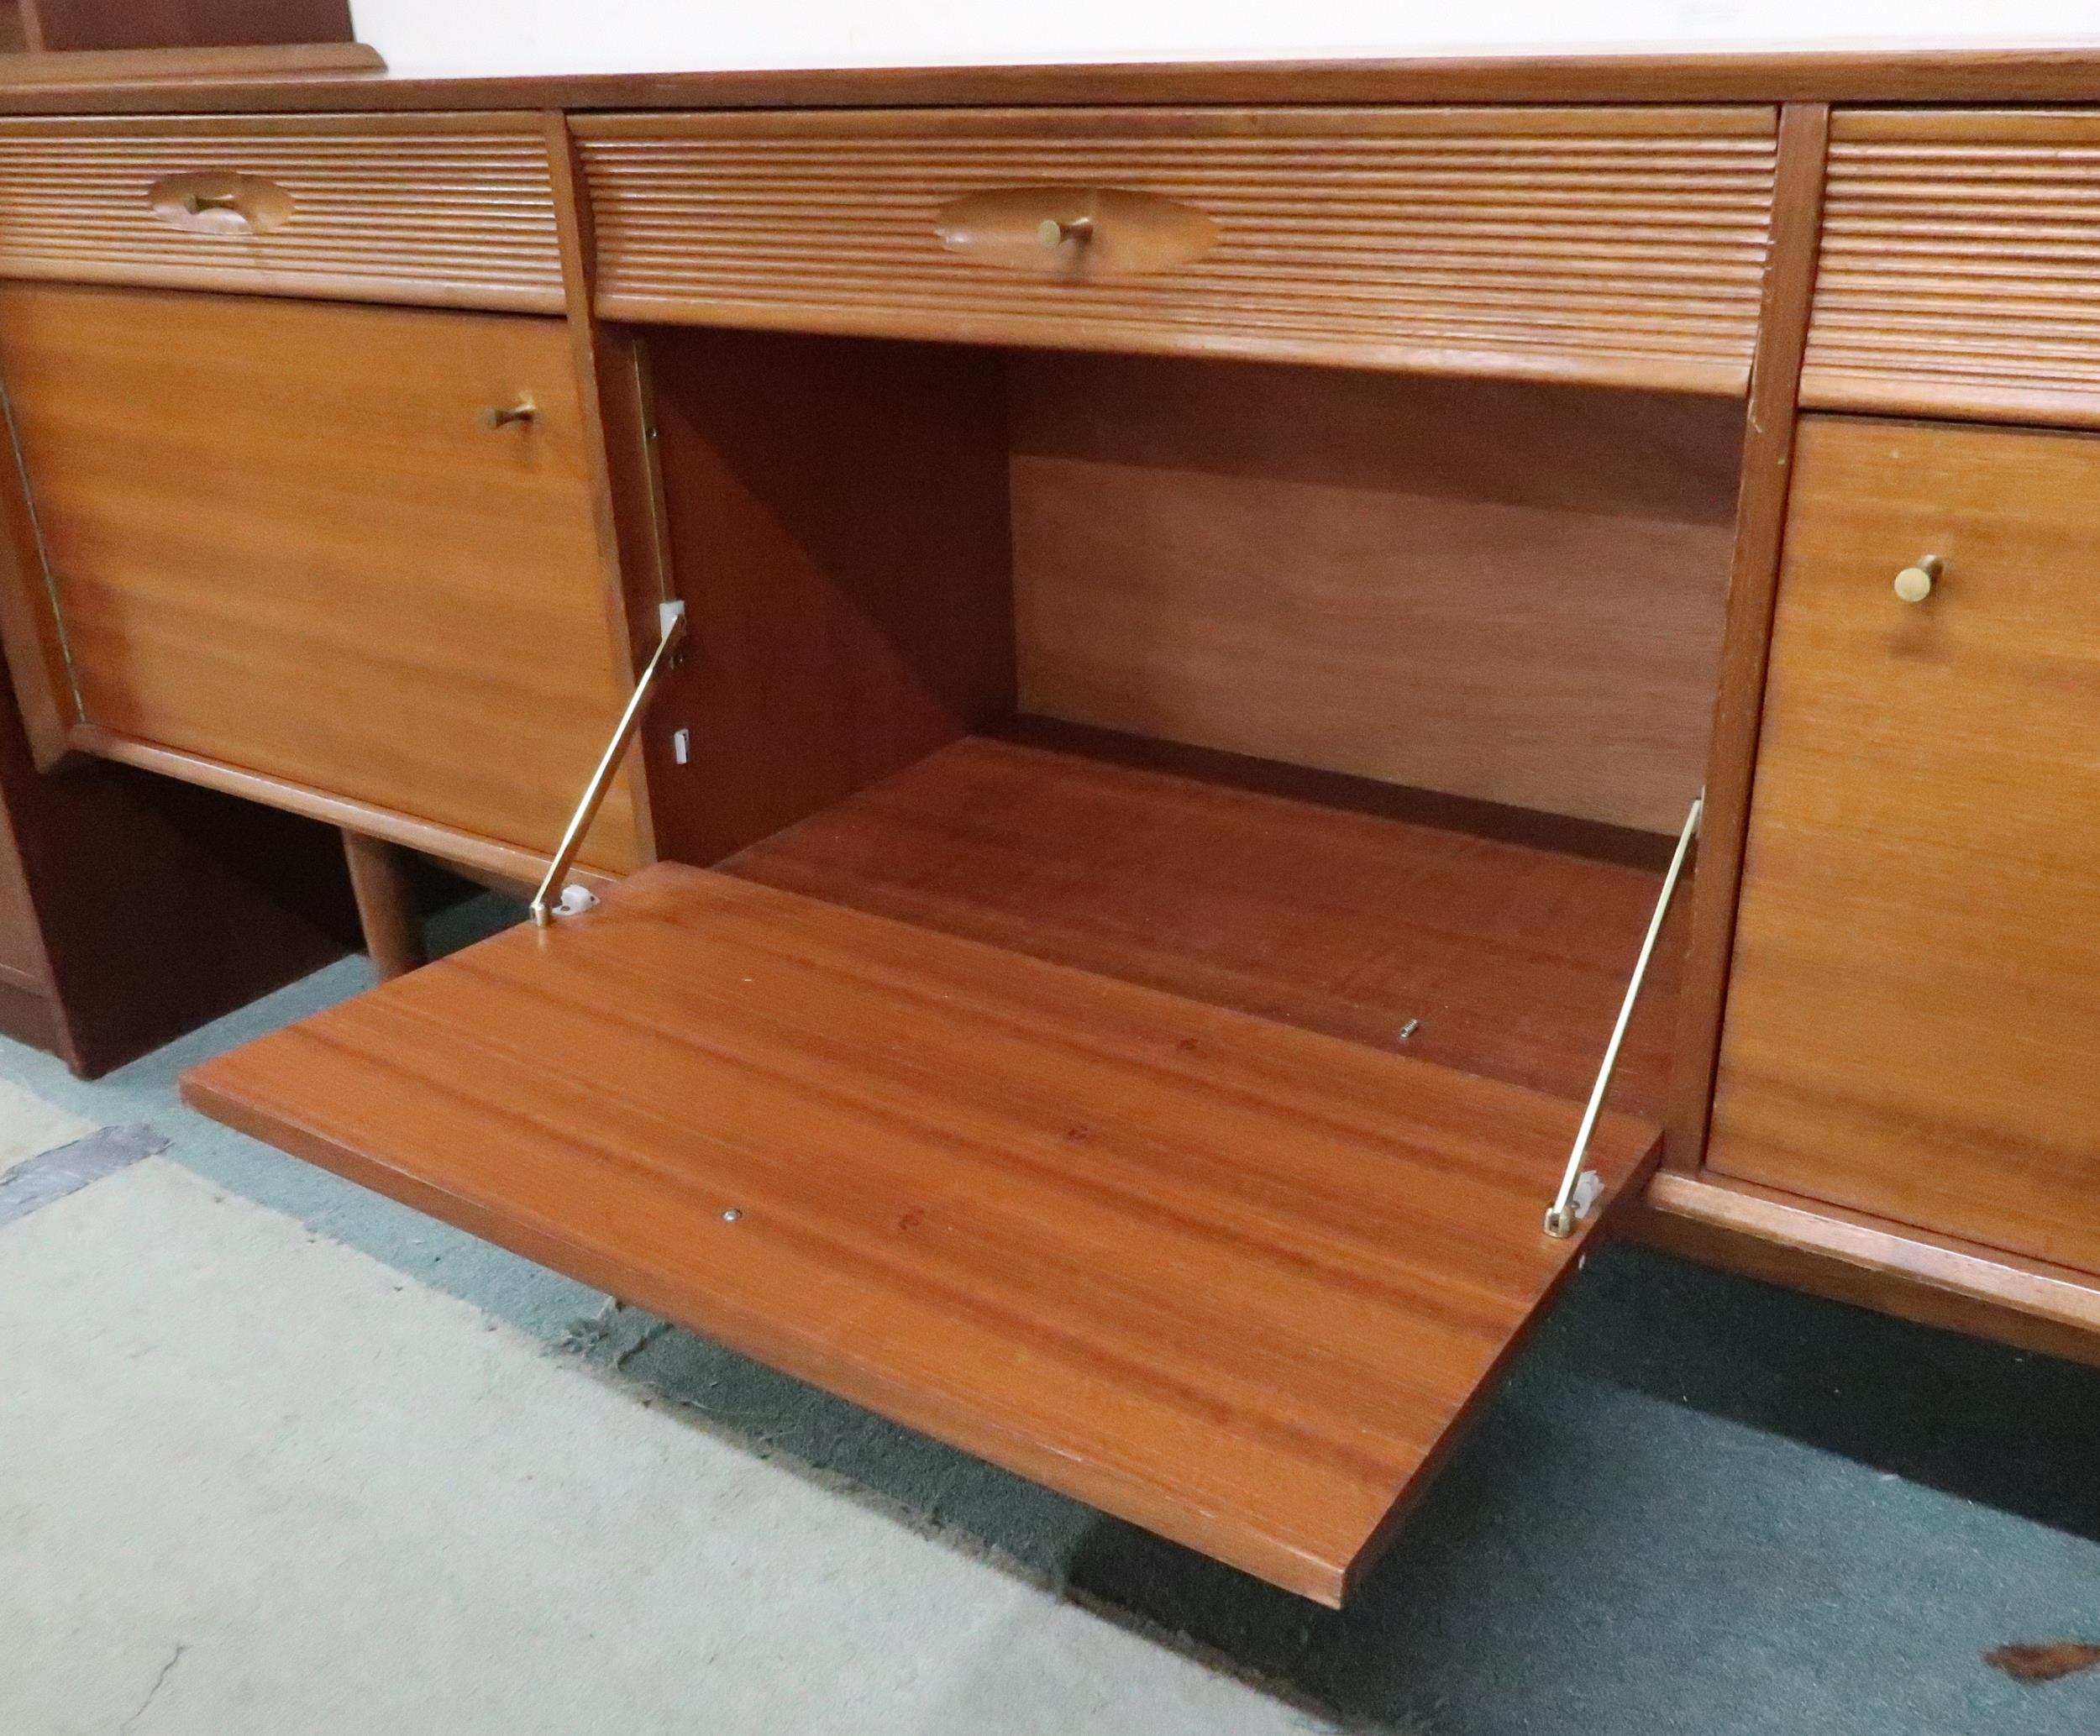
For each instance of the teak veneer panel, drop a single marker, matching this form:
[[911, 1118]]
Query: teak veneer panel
[[448, 210], [1234, 1282], [1496, 956], [1961, 267], [1623, 246], [1912, 1027], [1393, 577], [282, 541]]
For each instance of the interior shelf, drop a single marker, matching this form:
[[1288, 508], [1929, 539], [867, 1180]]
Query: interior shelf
[[1231, 1278], [1194, 873]]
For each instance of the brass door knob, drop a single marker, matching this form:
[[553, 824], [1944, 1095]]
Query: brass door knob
[[1056, 231], [1913, 584], [498, 416]]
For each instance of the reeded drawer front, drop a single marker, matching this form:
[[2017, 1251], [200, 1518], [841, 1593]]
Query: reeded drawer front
[[327, 545], [1913, 1009], [1614, 245], [1960, 265], [449, 209]]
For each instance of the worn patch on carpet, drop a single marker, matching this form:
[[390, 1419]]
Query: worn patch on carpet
[[30, 1125], [255, 1482], [38, 1181]]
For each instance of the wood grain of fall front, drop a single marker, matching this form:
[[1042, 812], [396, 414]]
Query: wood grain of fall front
[[1237, 1283]]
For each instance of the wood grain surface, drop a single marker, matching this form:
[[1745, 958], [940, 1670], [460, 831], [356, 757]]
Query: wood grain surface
[[837, 518], [1413, 579], [451, 210], [242, 79], [1616, 245], [1235, 1283], [634, 568], [1872, 1262], [1753, 586], [384, 884], [1494, 956], [1913, 1016], [101, 80], [1959, 273], [283, 542]]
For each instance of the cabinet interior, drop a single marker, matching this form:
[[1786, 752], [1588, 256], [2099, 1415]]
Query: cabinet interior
[[1367, 702]]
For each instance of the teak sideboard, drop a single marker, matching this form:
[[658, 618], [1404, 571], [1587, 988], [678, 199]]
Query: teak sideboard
[[1196, 615]]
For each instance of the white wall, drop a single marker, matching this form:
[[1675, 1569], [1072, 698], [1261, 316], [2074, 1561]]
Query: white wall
[[443, 37]]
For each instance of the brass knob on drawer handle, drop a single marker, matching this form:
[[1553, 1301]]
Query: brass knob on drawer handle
[[1056, 231], [498, 416], [1913, 584]]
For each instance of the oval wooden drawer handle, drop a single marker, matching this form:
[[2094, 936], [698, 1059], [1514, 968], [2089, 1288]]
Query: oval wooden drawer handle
[[1076, 232], [1913, 584], [215, 201]]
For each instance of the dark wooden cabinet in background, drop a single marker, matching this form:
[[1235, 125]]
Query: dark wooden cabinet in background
[[67, 26]]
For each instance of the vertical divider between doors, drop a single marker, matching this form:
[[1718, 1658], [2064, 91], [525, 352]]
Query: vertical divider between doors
[[1761, 511], [608, 387]]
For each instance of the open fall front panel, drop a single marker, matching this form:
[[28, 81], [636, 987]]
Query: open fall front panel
[[1235, 1281], [1181, 1138]]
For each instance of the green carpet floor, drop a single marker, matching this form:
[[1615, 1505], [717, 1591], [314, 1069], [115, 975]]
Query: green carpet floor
[[1699, 1504]]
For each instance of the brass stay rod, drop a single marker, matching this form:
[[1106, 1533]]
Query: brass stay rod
[[1569, 1205], [672, 615]]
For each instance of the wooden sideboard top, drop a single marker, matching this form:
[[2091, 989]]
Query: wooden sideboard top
[[1962, 76]]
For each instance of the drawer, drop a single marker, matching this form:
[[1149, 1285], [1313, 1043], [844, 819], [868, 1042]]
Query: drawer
[[448, 210], [1961, 267], [282, 541], [1912, 1026], [1623, 246]]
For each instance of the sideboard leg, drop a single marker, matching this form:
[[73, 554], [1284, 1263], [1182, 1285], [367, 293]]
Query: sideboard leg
[[385, 904]]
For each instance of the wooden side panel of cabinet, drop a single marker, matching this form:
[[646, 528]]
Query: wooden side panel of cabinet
[[449, 209], [1912, 1027], [836, 518], [283, 541], [1961, 267], [1617, 245]]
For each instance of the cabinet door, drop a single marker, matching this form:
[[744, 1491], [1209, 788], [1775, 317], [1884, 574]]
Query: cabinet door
[[1913, 1014], [291, 539]]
